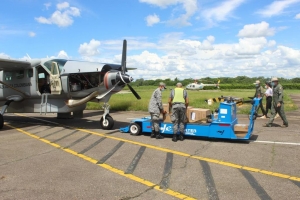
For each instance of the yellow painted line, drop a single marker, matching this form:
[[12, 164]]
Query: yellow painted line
[[219, 162], [110, 168], [210, 160]]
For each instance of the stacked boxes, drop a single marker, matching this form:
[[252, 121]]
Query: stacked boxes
[[166, 117], [241, 128], [192, 114], [198, 114]]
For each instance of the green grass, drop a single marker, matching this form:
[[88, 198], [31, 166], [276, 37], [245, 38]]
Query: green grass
[[127, 102]]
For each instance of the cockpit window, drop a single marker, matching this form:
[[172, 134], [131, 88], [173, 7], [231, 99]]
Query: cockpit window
[[30, 73], [60, 62], [20, 74]]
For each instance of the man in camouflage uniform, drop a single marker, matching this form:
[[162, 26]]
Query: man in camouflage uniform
[[259, 93], [178, 101], [155, 108], [277, 104]]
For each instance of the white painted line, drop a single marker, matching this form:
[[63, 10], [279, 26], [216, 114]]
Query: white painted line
[[273, 142]]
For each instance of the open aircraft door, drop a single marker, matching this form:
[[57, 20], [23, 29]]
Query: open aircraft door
[[55, 82]]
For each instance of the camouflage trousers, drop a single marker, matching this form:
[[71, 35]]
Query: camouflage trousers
[[280, 111], [155, 121], [178, 118]]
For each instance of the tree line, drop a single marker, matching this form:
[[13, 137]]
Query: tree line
[[239, 82]]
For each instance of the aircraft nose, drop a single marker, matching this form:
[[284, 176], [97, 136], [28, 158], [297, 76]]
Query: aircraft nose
[[125, 78]]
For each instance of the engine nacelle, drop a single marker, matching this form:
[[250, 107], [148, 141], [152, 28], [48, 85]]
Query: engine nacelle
[[112, 78]]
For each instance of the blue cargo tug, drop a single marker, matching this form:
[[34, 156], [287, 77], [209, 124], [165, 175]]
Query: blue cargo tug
[[223, 123]]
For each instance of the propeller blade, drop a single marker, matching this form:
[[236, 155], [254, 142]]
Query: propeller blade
[[134, 92], [123, 62]]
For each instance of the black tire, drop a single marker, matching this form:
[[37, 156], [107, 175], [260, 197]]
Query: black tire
[[108, 123], [1, 121], [135, 129]]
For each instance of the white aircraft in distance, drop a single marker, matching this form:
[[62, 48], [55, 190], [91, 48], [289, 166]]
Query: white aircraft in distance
[[196, 86], [60, 86]]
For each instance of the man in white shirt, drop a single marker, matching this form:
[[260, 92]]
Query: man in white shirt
[[268, 94]]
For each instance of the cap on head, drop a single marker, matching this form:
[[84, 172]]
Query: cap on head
[[257, 82], [179, 85], [274, 79], [162, 84]]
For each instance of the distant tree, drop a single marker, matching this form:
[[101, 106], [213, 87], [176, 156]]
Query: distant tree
[[295, 80], [139, 82]]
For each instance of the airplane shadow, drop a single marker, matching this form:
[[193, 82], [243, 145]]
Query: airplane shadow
[[26, 122]]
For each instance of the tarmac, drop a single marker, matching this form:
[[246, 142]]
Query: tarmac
[[43, 157]]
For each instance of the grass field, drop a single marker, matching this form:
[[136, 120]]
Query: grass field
[[127, 101]]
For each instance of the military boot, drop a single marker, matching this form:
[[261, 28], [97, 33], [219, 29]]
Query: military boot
[[267, 125], [174, 139], [153, 134], [181, 137], [159, 136]]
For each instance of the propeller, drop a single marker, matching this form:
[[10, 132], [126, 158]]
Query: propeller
[[134, 92], [122, 76]]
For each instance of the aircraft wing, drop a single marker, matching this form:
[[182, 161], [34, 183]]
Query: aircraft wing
[[8, 64]]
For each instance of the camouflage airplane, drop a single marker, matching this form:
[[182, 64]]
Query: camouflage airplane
[[60, 86]]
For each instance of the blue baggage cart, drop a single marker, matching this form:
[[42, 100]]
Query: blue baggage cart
[[223, 124]]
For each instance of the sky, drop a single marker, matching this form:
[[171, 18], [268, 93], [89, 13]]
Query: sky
[[166, 38]]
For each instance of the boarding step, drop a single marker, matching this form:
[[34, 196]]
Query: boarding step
[[44, 103]]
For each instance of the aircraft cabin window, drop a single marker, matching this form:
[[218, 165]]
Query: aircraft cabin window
[[8, 76], [30, 73], [20, 74], [42, 75]]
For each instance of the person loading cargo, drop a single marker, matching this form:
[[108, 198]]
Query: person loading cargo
[[178, 101], [155, 108]]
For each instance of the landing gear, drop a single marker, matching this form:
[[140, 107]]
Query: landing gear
[[106, 121], [4, 107], [1, 121]]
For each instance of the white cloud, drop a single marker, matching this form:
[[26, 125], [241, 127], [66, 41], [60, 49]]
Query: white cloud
[[250, 46], [62, 54], [89, 49], [47, 5], [188, 6], [32, 34], [152, 19], [292, 56], [176, 56], [256, 30], [297, 16], [276, 8], [62, 17], [271, 43], [221, 12], [62, 6], [3, 55]]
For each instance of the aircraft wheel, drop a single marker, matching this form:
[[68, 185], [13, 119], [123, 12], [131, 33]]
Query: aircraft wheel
[[108, 123], [1, 121], [135, 129]]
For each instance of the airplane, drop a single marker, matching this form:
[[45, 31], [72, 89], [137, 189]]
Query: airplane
[[61, 86], [196, 86]]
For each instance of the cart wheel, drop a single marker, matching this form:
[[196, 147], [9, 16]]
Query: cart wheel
[[1, 121], [135, 129], [108, 123]]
